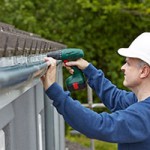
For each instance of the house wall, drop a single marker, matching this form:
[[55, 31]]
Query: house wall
[[28, 121]]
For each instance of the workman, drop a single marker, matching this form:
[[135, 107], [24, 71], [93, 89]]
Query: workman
[[128, 124]]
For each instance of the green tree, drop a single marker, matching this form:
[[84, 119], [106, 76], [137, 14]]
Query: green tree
[[100, 28]]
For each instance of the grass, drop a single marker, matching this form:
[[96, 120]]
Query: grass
[[84, 141]]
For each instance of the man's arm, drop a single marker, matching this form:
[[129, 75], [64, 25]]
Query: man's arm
[[126, 126], [113, 98]]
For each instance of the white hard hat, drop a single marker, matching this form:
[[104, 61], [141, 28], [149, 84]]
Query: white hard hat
[[139, 48]]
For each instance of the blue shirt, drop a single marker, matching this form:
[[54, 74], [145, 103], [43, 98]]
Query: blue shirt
[[128, 124]]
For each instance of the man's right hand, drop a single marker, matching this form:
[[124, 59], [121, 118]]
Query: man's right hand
[[80, 63]]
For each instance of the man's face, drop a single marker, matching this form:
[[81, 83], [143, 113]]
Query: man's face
[[131, 70]]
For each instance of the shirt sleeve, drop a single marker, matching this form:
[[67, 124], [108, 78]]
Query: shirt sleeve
[[126, 126], [113, 98]]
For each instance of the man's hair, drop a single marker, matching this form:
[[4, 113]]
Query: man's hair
[[142, 63]]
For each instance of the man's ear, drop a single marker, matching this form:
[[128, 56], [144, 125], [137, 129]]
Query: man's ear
[[145, 71]]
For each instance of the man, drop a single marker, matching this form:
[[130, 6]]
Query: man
[[129, 123]]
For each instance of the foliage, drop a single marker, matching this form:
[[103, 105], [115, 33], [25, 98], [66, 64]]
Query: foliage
[[100, 28], [87, 142]]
